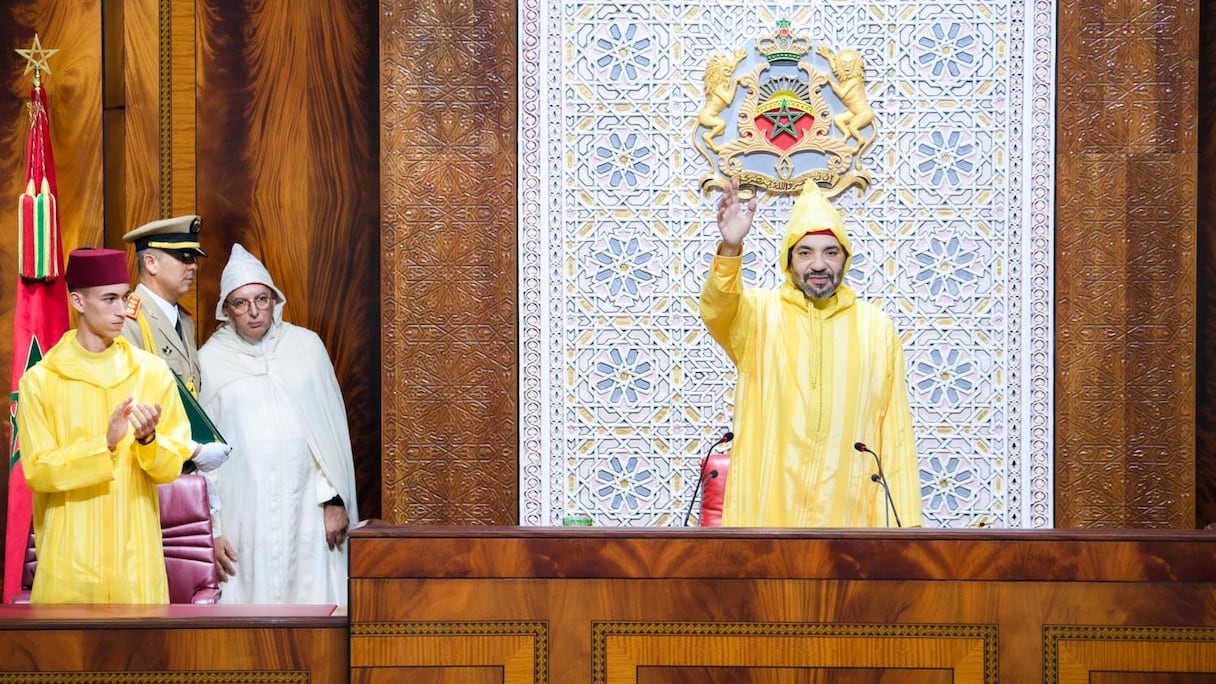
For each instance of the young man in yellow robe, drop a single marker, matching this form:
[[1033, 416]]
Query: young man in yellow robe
[[818, 372], [101, 424]]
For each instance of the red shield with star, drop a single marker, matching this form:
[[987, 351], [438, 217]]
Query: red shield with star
[[784, 122]]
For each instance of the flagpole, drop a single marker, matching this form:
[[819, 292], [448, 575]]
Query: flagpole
[[40, 312]]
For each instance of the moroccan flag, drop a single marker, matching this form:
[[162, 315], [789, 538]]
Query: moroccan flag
[[40, 313]]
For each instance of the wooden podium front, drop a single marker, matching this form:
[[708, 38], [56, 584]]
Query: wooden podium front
[[174, 644], [659, 606]]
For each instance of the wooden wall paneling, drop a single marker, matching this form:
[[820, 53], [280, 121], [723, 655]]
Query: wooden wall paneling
[[1125, 264], [449, 283], [113, 123], [143, 192], [1205, 346], [287, 166], [153, 118], [74, 96], [177, 108]]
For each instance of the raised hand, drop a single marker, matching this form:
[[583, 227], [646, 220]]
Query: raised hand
[[734, 219]]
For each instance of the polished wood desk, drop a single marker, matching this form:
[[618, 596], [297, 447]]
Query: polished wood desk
[[653, 606], [172, 644]]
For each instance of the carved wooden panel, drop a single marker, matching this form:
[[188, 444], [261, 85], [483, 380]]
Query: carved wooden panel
[[287, 121], [448, 194], [1125, 264]]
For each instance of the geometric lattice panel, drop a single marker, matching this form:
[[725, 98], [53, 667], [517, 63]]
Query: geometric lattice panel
[[623, 390]]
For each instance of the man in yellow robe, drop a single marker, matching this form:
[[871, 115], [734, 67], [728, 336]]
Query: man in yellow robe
[[818, 372], [101, 424]]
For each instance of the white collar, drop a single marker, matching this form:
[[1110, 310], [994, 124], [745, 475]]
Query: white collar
[[170, 310]]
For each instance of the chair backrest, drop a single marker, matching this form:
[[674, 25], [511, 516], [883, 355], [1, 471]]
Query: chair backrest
[[31, 562], [714, 489], [27, 570], [185, 520]]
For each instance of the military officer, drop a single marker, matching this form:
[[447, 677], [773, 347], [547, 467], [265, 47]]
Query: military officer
[[167, 253]]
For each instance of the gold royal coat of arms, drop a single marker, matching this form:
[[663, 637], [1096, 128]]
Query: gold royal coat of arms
[[783, 130]]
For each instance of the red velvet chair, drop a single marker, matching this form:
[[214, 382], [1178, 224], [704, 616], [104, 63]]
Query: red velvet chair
[[714, 490], [185, 520], [27, 571], [185, 523]]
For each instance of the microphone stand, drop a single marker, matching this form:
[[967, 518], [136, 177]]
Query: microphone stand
[[890, 505], [703, 475], [881, 479], [696, 490]]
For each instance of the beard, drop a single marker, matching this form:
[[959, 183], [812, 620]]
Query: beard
[[816, 292]]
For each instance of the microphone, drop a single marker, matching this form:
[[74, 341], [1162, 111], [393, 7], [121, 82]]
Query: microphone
[[704, 475], [881, 479]]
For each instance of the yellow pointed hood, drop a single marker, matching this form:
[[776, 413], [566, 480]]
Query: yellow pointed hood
[[812, 212]]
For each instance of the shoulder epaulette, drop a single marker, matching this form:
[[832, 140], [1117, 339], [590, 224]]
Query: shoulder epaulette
[[133, 304]]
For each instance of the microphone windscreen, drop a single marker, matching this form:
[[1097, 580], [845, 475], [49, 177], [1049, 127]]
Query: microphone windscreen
[[728, 436], [860, 446]]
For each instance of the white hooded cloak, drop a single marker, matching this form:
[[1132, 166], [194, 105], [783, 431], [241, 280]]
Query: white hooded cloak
[[278, 404]]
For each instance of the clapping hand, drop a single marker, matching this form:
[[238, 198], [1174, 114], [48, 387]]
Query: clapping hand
[[130, 414]]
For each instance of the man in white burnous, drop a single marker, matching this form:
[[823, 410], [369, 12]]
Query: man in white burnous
[[288, 489]]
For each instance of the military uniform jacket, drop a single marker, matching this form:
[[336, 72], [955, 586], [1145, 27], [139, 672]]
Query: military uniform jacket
[[181, 355]]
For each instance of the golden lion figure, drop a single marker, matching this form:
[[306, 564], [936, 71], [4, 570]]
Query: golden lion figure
[[718, 96], [850, 86]]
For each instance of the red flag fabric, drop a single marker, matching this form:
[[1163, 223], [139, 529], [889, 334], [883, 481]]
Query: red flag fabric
[[40, 313]]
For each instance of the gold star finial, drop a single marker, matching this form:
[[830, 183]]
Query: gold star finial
[[36, 58]]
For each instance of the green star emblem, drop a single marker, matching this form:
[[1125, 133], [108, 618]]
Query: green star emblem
[[790, 116]]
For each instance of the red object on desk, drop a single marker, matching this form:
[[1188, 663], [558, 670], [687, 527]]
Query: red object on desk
[[714, 489]]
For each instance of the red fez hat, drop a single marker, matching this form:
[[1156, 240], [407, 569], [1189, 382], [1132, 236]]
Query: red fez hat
[[91, 267]]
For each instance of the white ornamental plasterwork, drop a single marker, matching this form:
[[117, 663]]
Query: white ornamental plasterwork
[[622, 391]]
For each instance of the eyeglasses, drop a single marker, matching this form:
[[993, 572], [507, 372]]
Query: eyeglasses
[[241, 306]]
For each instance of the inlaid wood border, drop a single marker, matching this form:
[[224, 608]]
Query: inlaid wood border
[[209, 677], [1072, 654], [618, 649], [520, 649]]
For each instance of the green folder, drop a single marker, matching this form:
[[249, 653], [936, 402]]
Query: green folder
[[202, 430]]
